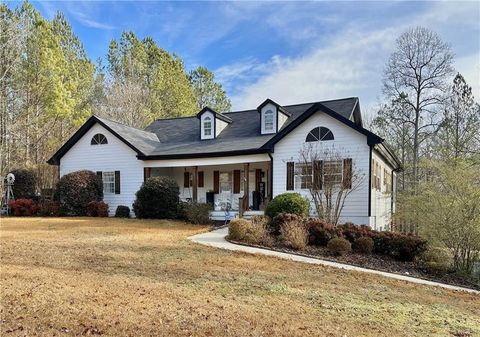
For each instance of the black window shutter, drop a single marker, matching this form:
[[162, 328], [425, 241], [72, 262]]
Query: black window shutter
[[290, 175], [347, 173], [99, 173], [236, 181], [186, 179], [117, 182], [318, 175]]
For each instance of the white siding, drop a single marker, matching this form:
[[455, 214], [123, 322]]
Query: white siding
[[348, 142], [114, 156], [220, 125], [381, 199], [282, 118]]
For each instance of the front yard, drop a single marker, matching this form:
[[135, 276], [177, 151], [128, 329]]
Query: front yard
[[110, 277]]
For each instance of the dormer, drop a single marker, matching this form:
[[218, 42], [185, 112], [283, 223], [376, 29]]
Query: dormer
[[212, 123], [272, 117]]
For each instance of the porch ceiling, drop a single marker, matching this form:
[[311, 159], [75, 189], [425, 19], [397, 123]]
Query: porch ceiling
[[243, 159]]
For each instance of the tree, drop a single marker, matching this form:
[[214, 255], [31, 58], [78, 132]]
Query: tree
[[333, 179], [416, 73], [447, 210], [207, 91], [392, 123], [459, 137]]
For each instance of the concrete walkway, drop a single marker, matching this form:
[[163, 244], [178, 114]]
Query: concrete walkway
[[216, 239]]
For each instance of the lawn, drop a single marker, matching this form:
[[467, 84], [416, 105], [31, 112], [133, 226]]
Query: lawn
[[110, 277]]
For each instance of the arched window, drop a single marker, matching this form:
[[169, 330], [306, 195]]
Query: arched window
[[98, 139], [207, 126], [319, 134], [268, 120]]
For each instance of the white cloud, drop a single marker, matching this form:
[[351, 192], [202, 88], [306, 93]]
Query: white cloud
[[349, 63]]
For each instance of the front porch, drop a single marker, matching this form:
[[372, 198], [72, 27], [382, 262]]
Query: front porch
[[239, 189]]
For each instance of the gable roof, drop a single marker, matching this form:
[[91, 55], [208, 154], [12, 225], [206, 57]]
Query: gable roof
[[173, 138], [138, 140]]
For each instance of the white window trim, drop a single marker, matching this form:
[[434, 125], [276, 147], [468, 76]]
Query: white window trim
[[208, 120], [108, 185], [270, 114]]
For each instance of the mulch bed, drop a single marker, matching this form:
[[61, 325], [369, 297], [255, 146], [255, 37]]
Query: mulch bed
[[378, 262]]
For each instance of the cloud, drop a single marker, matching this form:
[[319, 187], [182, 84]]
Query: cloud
[[350, 61]]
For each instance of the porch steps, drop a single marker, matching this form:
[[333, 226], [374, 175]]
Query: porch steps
[[220, 215]]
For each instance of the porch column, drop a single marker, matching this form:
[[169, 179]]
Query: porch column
[[195, 184], [268, 188], [246, 183]]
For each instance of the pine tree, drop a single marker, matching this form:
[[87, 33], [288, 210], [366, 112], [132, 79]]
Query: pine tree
[[207, 91]]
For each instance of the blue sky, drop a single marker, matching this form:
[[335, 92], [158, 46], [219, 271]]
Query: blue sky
[[289, 51]]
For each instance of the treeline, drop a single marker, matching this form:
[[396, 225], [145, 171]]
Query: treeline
[[49, 87]]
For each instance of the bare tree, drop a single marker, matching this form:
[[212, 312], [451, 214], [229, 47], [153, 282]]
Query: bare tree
[[417, 73], [333, 179]]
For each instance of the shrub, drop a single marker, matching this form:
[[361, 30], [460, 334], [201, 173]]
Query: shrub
[[23, 207], [400, 246], [294, 235], [75, 190], [49, 208], [253, 232], [24, 186], [436, 261], [339, 246], [122, 212], [237, 229], [196, 213], [292, 203], [363, 245], [97, 209], [157, 198], [320, 232], [351, 232], [282, 218]]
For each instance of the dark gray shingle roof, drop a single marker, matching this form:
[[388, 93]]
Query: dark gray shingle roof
[[182, 135]]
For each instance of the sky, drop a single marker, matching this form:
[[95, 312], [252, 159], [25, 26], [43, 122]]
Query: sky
[[291, 52]]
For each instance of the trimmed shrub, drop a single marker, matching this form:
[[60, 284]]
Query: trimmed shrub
[[75, 190], [276, 224], [292, 203], [23, 207], [97, 209], [122, 212], [294, 235], [320, 232], [49, 208], [196, 213], [363, 245], [253, 232], [351, 232], [25, 184], [339, 246], [157, 198], [237, 229], [399, 246]]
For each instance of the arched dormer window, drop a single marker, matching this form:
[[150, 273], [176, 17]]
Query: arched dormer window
[[268, 120], [319, 134], [207, 126], [98, 139]]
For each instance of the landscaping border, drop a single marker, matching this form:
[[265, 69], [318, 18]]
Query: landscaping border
[[217, 239]]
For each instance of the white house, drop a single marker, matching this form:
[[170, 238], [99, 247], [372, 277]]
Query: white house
[[244, 158]]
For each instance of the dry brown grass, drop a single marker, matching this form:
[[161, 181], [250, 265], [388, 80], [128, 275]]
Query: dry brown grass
[[110, 277]]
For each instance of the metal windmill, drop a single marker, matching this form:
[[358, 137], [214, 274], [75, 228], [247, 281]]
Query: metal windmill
[[7, 187]]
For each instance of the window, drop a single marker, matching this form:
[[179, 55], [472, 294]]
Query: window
[[207, 126], [332, 172], [387, 180], [319, 134], [303, 176], [268, 120], [376, 172], [108, 182], [98, 139]]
